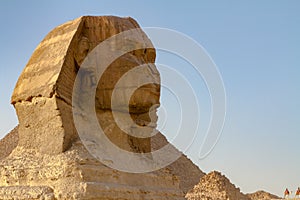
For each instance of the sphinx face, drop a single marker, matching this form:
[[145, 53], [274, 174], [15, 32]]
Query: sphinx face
[[131, 93], [138, 93], [122, 89], [129, 86]]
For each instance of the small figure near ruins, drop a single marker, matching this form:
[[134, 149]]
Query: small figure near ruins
[[297, 195], [286, 193]]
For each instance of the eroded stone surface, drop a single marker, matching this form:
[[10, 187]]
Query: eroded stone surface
[[187, 172], [36, 93], [9, 143], [75, 174], [13, 169], [26, 193]]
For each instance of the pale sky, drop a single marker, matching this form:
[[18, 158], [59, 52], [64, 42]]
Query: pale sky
[[256, 47]]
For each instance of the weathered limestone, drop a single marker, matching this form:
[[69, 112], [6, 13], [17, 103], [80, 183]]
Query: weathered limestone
[[36, 94], [9, 143], [217, 187], [262, 195], [54, 173], [187, 172], [75, 174], [50, 160], [26, 193]]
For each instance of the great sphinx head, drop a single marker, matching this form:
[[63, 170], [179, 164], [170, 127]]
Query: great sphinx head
[[45, 90]]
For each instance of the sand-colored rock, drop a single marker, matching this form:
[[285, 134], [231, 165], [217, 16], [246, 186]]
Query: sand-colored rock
[[184, 170], [215, 186], [50, 161], [262, 195], [26, 193], [187, 172], [75, 174], [9, 143]]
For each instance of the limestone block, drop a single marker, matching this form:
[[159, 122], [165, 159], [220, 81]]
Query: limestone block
[[9, 142], [41, 125], [215, 186], [26, 193]]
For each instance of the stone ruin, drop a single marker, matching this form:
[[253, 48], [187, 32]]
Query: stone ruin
[[44, 157], [215, 186]]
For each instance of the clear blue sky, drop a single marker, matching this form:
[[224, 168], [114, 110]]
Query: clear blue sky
[[255, 44]]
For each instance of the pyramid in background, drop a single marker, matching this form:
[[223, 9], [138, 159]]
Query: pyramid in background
[[215, 186]]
